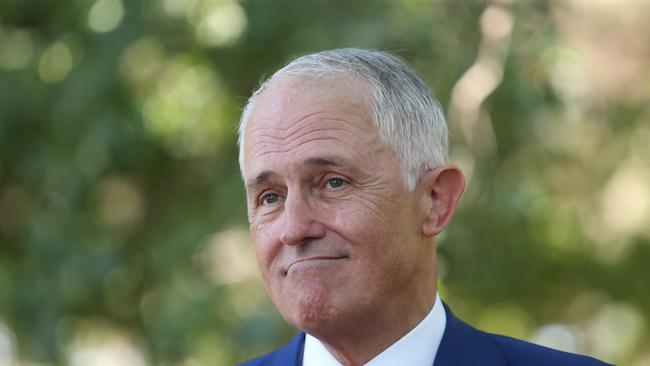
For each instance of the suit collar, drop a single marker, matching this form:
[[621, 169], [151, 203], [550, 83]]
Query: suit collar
[[461, 345]]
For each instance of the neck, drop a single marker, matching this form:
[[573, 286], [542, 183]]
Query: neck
[[358, 342]]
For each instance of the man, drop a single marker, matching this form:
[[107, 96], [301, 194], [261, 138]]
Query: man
[[344, 158]]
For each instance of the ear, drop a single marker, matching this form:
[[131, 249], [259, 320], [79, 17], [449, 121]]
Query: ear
[[441, 189]]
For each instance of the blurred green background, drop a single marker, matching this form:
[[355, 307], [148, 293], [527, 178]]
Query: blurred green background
[[123, 235]]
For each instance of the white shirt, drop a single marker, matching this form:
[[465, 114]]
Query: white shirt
[[417, 348]]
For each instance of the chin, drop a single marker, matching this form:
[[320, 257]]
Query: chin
[[310, 311]]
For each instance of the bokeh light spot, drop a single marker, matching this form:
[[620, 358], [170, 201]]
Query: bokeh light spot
[[227, 257], [141, 59], [218, 23], [105, 15], [55, 63], [7, 346], [177, 8], [615, 331], [626, 198], [558, 336], [185, 108], [102, 345], [16, 49]]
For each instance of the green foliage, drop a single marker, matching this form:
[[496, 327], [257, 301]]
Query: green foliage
[[122, 215]]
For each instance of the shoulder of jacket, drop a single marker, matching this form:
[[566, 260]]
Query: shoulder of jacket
[[520, 352]]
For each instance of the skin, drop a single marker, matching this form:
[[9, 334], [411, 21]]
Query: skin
[[347, 253]]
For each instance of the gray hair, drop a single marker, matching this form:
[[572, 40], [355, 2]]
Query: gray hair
[[407, 115]]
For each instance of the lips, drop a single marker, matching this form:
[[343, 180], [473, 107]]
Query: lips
[[314, 259]]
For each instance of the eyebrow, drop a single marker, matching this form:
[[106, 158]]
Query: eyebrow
[[319, 161], [330, 160]]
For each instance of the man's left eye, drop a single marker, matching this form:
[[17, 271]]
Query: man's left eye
[[335, 182]]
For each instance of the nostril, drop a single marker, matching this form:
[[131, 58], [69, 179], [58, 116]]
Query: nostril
[[299, 233]]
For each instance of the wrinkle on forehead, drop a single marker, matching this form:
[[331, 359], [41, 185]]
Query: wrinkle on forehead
[[297, 127], [276, 142], [291, 116], [305, 126]]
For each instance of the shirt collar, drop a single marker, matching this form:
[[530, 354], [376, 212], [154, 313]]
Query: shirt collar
[[418, 347]]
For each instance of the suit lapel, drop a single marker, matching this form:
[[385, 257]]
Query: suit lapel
[[463, 345]]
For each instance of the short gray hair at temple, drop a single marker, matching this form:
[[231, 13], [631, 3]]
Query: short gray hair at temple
[[407, 115]]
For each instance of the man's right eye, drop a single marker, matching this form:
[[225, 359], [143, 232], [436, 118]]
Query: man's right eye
[[269, 198]]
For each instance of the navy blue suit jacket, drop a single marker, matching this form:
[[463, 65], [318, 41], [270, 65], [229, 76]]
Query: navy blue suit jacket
[[461, 345]]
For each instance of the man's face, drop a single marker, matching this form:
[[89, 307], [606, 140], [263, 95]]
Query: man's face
[[335, 232]]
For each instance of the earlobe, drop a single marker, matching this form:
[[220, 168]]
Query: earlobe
[[442, 189]]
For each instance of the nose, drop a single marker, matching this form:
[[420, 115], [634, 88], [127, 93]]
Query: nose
[[300, 222]]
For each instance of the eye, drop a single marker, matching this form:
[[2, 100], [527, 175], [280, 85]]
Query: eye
[[269, 198], [335, 182]]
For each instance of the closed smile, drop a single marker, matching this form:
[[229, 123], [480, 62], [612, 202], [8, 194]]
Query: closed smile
[[315, 258]]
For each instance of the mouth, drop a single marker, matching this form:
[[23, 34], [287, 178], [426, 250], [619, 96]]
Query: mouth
[[318, 258]]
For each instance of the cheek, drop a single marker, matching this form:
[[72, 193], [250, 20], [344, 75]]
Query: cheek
[[370, 236], [377, 233], [363, 216], [266, 246]]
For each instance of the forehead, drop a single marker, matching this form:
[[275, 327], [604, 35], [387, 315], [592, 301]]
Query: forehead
[[290, 97], [297, 119]]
